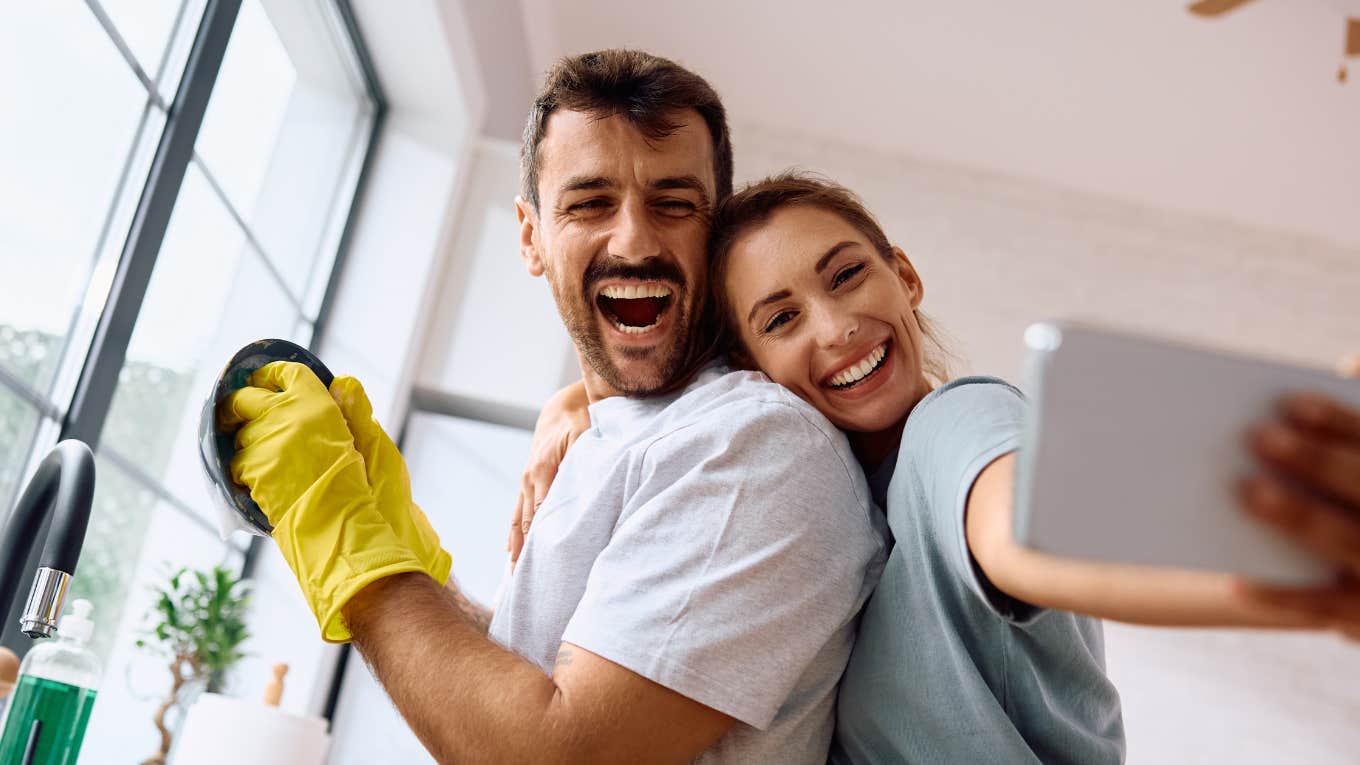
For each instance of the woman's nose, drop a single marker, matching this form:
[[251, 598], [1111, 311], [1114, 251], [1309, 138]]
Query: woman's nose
[[635, 236], [836, 330]]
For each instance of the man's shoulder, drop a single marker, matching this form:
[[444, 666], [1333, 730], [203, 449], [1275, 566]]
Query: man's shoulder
[[743, 416], [729, 399]]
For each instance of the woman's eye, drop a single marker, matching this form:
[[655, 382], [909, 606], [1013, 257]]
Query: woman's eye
[[778, 320], [846, 274]]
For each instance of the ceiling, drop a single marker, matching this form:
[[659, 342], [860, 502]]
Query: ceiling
[[1239, 118]]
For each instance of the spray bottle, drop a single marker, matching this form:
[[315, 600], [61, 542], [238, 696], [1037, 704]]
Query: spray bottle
[[51, 704]]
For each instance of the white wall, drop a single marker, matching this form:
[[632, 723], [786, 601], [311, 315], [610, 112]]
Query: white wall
[[996, 254], [495, 333]]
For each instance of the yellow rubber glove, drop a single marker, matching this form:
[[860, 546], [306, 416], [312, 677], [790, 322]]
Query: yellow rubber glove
[[389, 479], [296, 455]]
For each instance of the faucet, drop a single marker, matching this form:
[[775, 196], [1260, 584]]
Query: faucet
[[64, 486]]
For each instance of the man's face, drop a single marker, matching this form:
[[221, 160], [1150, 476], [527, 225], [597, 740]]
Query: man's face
[[620, 231]]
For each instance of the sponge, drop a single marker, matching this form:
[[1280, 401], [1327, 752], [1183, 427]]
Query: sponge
[[217, 446]]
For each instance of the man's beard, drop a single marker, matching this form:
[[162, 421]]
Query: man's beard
[[669, 361]]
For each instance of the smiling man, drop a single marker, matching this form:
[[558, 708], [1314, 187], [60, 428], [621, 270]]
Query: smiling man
[[690, 587]]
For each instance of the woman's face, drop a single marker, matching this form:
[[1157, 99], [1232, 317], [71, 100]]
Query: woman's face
[[824, 315]]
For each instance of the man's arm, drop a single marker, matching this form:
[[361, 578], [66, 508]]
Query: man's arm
[[469, 700], [477, 614]]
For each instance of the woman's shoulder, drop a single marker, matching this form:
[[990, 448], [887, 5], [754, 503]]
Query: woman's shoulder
[[959, 419], [967, 392]]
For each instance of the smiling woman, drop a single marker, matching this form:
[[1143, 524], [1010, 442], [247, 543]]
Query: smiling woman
[[758, 302]]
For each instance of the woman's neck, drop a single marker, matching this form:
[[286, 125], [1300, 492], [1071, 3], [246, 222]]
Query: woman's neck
[[871, 448]]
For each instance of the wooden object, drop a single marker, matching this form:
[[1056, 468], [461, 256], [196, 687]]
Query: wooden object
[[274, 690]]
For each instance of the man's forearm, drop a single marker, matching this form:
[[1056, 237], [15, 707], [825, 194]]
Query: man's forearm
[[466, 698], [478, 614]]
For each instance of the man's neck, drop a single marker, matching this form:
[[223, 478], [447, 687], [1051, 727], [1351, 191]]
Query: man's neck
[[596, 387]]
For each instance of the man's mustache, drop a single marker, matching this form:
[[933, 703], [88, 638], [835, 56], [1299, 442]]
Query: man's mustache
[[652, 269]]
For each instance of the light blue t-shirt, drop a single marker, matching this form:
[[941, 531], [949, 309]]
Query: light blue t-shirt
[[947, 669]]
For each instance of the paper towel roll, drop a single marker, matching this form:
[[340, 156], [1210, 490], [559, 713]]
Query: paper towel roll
[[219, 730]]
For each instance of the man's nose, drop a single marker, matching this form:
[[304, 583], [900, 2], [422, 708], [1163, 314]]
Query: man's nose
[[635, 236]]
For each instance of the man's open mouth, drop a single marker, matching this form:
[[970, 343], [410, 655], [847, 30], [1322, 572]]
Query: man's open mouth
[[634, 309]]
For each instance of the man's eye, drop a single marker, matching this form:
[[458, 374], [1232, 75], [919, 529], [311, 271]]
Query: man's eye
[[778, 320], [589, 205], [675, 207], [846, 274]]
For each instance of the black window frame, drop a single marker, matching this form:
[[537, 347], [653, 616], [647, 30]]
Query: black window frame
[[104, 359]]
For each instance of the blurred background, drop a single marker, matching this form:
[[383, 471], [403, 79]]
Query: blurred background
[[179, 177]]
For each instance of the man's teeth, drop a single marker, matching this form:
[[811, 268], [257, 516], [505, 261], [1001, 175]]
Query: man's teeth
[[627, 330], [635, 291], [861, 370]]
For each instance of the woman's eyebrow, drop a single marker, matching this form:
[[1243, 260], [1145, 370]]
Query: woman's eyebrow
[[831, 253], [773, 297]]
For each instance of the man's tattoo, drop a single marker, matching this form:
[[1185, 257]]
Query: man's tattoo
[[563, 657], [478, 614]]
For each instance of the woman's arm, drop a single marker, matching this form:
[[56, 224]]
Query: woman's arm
[[1126, 593], [561, 421]]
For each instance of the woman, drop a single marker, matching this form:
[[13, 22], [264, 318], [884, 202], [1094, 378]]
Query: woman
[[972, 649]]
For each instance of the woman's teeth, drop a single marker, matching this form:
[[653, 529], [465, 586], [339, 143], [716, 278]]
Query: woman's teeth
[[635, 291], [861, 370]]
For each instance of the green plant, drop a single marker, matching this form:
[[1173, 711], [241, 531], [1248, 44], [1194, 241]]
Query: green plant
[[198, 622]]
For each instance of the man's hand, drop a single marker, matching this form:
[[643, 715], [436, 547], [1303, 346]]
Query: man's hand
[[1311, 492], [296, 455], [561, 421], [389, 479]]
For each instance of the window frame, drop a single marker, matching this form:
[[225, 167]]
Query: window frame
[[90, 403]]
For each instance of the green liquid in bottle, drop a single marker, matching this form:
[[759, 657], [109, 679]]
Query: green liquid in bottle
[[64, 711]]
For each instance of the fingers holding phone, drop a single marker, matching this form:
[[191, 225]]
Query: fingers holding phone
[[1311, 492]]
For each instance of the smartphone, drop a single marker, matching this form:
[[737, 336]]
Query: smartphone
[[1134, 447]]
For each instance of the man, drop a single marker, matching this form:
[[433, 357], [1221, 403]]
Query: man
[[691, 585]]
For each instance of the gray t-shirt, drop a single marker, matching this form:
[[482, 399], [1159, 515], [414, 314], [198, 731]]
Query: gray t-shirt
[[947, 669], [719, 542]]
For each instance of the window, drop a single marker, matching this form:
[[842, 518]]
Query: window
[[113, 320]]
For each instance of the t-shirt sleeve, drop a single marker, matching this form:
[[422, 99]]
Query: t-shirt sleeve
[[948, 443], [741, 553]]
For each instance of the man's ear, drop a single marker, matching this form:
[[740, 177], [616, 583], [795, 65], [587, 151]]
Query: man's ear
[[528, 231], [907, 273]]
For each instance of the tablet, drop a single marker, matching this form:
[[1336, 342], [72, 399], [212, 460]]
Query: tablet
[[1134, 448]]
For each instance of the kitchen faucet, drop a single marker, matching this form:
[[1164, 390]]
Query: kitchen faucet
[[64, 487]]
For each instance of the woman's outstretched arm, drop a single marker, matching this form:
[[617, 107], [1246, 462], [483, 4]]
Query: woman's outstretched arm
[[1126, 593]]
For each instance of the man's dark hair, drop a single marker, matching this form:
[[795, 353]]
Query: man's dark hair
[[648, 90]]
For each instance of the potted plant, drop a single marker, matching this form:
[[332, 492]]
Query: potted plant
[[198, 622]]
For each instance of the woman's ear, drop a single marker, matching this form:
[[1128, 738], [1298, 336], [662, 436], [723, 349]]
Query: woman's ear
[[528, 236], [907, 273]]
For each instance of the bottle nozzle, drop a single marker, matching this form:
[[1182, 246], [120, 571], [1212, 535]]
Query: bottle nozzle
[[77, 624]]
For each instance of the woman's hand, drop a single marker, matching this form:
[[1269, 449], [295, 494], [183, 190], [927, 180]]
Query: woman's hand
[[1311, 492], [562, 420]]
